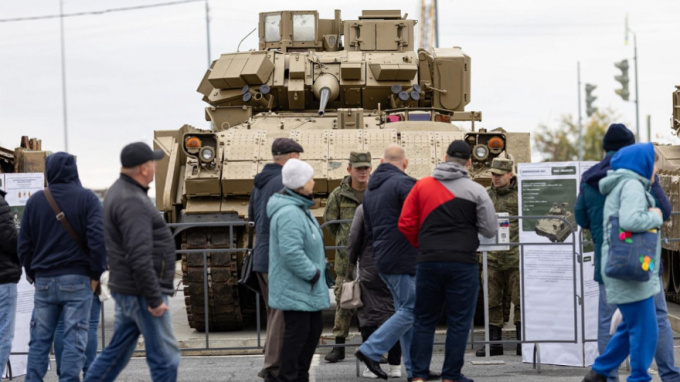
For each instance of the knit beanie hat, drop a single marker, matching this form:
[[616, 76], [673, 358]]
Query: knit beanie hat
[[617, 137], [296, 173]]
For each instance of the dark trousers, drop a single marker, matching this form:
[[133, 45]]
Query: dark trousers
[[393, 356], [300, 338], [438, 285]]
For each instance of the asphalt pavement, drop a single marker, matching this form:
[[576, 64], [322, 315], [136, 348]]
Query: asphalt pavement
[[245, 367]]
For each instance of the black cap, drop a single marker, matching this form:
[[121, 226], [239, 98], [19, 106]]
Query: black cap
[[137, 153], [458, 149], [617, 136], [285, 145]]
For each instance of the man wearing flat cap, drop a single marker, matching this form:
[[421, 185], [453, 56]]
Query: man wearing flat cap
[[267, 183], [503, 266], [342, 203], [442, 217], [141, 252]]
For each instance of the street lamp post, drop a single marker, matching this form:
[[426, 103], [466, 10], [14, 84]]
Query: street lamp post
[[63, 74], [580, 130], [637, 91]]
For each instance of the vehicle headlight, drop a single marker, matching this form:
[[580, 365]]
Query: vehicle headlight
[[481, 152], [207, 154]]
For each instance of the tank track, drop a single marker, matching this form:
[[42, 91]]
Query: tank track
[[225, 312]]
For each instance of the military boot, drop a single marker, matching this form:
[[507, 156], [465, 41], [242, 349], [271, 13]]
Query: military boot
[[518, 330], [338, 352], [496, 349]]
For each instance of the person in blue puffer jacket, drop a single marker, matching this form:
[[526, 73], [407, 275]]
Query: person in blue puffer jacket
[[297, 263], [627, 188]]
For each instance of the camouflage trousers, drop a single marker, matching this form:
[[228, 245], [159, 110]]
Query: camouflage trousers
[[343, 317], [498, 281]]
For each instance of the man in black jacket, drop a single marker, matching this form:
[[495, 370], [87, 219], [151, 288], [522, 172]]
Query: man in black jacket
[[267, 183], [393, 256], [142, 267], [65, 273], [10, 272]]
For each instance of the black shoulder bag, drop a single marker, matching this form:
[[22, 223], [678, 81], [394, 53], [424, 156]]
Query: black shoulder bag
[[248, 276]]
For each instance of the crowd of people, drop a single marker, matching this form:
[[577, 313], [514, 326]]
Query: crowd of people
[[412, 244]]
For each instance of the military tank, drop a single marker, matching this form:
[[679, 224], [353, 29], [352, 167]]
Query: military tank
[[333, 85], [556, 230], [669, 178]]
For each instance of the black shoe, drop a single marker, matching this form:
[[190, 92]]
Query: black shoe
[[269, 377], [495, 334], [518, 331], [594, 377], [433, 376], [373, 366], [338, 353]]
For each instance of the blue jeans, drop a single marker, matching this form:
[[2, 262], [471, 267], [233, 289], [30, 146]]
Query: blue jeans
[[665, 361], [636, 335], [439, 284], [399, 327], [8, 309], [69, 295], [91, 349], [133, 318]]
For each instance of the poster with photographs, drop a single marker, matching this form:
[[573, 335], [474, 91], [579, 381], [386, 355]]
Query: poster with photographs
[[552, 271], [20, 187]]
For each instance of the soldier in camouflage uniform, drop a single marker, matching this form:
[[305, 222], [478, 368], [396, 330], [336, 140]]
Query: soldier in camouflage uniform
[[503, 266], [342, 203]]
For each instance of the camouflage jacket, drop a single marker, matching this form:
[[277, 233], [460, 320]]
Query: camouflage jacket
[[342, 203], [505, 200]]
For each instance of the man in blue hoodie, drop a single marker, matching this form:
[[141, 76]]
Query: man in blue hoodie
[[64, 273], [588, 212], [267, 183]]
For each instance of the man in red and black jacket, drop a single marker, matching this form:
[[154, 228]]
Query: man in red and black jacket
[[442, 217]]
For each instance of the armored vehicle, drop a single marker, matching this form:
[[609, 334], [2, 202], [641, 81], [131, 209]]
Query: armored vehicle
[[669, 178], [556, 230], [333, 85]]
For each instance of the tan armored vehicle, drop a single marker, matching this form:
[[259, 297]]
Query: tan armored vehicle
[[669, 178], [333, 85], [556, 230]]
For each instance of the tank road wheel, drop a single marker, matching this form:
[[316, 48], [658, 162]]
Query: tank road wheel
[[223, 291], [666, 265]]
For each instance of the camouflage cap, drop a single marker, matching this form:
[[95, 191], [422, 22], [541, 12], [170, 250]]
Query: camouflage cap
[[501, 166], [360, 159]]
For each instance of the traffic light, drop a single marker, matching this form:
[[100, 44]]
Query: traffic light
[[590, 98], [623, 79]]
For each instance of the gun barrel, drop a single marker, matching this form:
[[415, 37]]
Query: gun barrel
[[325, 94], [326, 88]]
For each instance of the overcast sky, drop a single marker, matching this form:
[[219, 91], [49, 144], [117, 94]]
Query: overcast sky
[[130, 73]]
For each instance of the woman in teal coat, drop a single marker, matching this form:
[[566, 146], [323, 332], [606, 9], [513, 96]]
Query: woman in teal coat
[[296, 264], [627, 187]]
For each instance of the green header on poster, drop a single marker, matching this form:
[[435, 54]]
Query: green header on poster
[[568, 170]]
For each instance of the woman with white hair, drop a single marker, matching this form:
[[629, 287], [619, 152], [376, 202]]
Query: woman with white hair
[[297, 263]]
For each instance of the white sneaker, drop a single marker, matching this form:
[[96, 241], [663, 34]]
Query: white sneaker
[[368, 374], [394, 371]]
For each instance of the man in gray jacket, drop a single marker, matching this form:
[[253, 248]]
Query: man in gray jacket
[[442, 217], [141, 254]]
